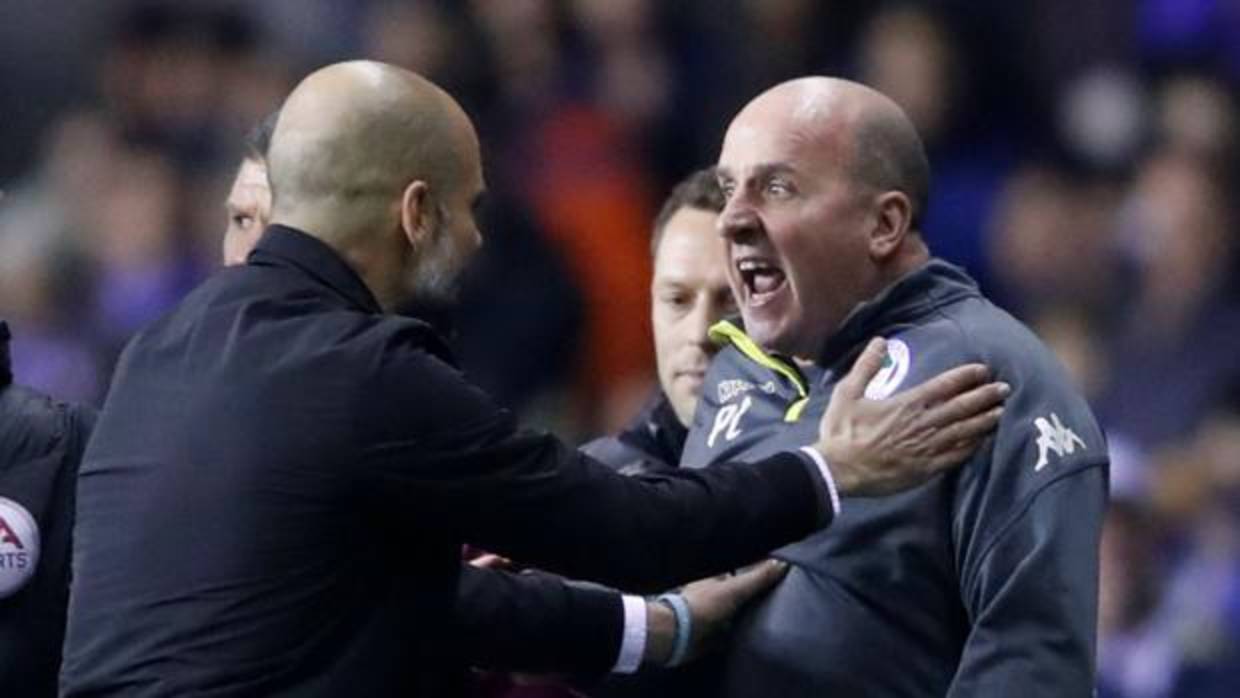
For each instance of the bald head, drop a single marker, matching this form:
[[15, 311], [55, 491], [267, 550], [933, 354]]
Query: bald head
[[880, 143], [382, 165], [350, 139]]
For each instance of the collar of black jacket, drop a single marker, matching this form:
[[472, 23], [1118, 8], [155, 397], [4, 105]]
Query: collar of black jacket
[[910, 298], [281, 244], [6, 368]]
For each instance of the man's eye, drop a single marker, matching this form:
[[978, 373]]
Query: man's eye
[[726, 188], [242, 220], [676, 300], [778, 188]]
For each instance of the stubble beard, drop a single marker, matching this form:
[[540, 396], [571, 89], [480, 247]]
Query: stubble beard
[[435, 279]]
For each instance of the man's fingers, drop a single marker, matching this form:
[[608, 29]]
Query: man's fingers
[[973, 429], [949, 384], [969, 404], [755, 580], [867, 365], [954, 456]]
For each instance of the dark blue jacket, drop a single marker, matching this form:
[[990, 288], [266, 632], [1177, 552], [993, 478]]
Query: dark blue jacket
[[650, 443], [41, 444], [275, 498], [982, 582]]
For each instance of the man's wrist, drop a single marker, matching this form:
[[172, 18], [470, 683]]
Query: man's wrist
[[824, 469], [684, 627], [660, 633]]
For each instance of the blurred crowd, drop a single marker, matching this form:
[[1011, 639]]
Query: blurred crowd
[[1084, 157]]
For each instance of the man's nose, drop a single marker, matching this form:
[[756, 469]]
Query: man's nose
[[699, 321], [738, 223]]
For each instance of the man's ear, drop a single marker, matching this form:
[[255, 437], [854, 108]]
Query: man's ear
[[893, 220], [416, 213]]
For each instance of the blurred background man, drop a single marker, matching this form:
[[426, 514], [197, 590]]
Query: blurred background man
[[249, 198], [689, 293]]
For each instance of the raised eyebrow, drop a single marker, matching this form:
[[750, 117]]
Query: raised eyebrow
[[761, 171], [672, 281], [773, 168]]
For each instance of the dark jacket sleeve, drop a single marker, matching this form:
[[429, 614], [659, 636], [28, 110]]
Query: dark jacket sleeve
[[1033, 599], [441, 453], [1028, 519], [536, 622]]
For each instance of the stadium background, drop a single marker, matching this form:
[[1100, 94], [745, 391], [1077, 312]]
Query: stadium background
[[1084, 156]]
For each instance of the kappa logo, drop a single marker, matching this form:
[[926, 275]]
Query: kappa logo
[[1054, 437], [19, 546], [893, 372]]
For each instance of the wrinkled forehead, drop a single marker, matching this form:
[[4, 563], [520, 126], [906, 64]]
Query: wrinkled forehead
[[800, 137]]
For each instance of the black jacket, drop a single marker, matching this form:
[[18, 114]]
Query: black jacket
[[41, 444], [982, 582], [275, 497]]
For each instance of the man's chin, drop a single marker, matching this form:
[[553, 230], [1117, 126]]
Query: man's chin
[[683, 405], [436, 290], [765, 334]]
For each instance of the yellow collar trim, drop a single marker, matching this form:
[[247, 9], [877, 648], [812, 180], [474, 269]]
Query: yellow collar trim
[[724, 332]]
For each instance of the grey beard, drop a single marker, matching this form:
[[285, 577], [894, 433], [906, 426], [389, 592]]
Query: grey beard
[[436, 276]]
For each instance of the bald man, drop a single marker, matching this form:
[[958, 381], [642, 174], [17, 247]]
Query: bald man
[[282, 476], [979, 583]]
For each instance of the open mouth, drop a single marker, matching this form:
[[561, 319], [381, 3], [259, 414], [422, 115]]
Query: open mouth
[[762, 278]]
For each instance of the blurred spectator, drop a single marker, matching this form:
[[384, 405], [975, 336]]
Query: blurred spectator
[[139, 267], [908, 53], [164, 73], [1171, 576], [1050, 243], [1134, 659], [1103, 118], [1197, 115], [1175, 348]]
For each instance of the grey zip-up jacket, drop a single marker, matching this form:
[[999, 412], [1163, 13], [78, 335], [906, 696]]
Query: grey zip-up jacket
[[982, 582]]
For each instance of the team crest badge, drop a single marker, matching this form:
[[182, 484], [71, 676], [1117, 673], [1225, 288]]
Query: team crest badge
[[19, 547], [893, 372]]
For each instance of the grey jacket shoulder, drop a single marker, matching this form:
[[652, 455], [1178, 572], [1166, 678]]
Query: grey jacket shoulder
[[1048, 431]]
